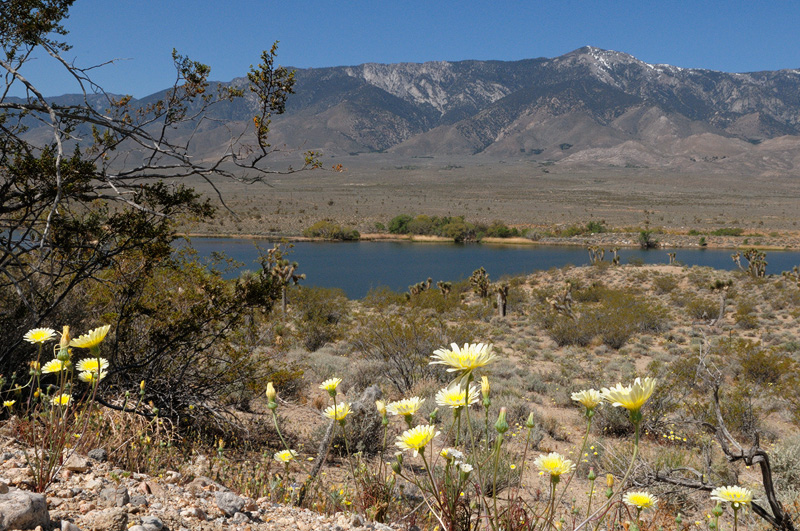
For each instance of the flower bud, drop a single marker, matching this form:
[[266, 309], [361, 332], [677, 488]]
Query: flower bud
[[65, 338], [592, 476], [396, 467], [712, 525], [678, 520], [717, 510], [485, 391], [141, 387], [380, 405], [434, 415], [271, 396], [530, 423], [610, 481], [501, 425]]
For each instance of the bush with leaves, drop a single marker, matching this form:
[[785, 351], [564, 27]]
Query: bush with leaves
[[319, 313]]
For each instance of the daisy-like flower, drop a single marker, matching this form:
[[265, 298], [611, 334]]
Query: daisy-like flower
[[416, 438], [9, 403], [39, 335], [554, 464], [54, 366], [631, 397], [452, 454], [330, 385], [93, 365], [640, 499], [62, 400], [405, 407], [338, 412], [464, 359], [92, 338], [455, 396], [91, 377], [590, 398], [735, 495], [284, 456]]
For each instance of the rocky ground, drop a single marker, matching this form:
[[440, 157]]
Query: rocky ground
[[89, 494]]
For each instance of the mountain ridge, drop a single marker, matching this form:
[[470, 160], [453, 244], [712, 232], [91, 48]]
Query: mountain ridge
[[588, 107]]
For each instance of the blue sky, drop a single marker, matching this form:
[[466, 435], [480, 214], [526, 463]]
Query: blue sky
[[732, 36]]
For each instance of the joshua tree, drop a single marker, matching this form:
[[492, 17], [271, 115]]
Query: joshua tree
[[563, 303], [756, 262], [282, 271], [480, 282], [793, 275], [444, 287], [419, 287], [596, 254], [502, 298], [615, 260]]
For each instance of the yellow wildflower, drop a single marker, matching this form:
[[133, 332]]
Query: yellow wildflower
[[338, 412], [640, 499], [416, 438], [455, 396], [39, 335], [92, 338]]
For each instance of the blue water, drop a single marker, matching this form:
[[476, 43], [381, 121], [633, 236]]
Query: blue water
[[356, 267]]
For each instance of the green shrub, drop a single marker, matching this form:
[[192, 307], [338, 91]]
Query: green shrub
[[746, 316], [665, 284], [728, 231], [399, 224], [329, 230], [702, 308], [565, 331], [319, 312], [403, 341]]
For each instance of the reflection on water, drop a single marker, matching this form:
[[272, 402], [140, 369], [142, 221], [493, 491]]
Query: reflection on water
[[356, 267]]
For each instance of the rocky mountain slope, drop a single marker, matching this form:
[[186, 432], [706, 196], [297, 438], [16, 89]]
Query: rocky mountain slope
[[588, 107]]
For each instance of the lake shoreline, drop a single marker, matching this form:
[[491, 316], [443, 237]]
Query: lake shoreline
[[605, 240]]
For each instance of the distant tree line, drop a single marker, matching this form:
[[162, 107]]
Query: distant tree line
[[455, 227]]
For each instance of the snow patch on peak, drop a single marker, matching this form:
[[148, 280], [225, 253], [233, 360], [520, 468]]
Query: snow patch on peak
[[427, 83]]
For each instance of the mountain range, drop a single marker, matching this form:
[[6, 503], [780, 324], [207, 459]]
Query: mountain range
[[589, 107]]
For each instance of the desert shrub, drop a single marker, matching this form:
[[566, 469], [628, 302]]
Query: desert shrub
[[565, 331], [745, 315], [620, 315], [433, 299], [665, 284], [403, 342], [191, 351], [784, 458], [382, 297], [702, 307], [319, 312], [613, 421], [763, 366], [593, 293]]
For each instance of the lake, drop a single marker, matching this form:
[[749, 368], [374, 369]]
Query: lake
[[357, 267]]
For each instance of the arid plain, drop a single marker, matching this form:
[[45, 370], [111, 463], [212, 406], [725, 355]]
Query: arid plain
[[373, 188]]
